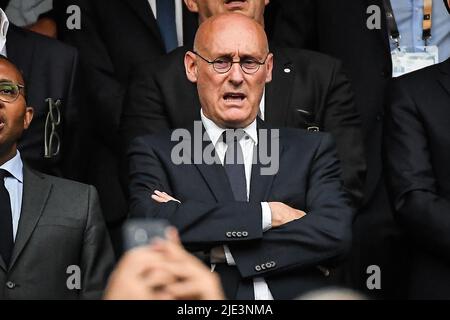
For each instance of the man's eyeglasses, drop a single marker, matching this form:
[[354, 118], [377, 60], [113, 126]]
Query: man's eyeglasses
[[9, 91], [224, 64], [52, 141]]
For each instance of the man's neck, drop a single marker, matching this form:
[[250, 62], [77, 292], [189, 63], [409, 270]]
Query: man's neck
[[4, 158]]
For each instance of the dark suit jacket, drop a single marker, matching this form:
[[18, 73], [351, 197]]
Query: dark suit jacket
[[114, 36], [307, 90], [50, 69], [339, 28], [417, 157], [60, 225], [208, 215]]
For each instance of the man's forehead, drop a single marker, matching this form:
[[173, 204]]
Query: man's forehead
[[235, 47], [8, 72]]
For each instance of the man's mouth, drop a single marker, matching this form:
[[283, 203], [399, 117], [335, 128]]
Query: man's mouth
[[234, 4], [234, 97]]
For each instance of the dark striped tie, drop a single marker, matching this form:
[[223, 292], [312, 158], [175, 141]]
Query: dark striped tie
[[234, 164]]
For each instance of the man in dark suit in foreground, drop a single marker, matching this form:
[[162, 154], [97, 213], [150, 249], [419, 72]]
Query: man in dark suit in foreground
[[308, 90], [53, 241], [417, 146], [270, 229]]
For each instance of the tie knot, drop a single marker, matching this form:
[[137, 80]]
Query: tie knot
[[231, 136]]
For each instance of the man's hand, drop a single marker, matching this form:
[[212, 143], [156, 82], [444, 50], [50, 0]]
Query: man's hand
[[282, 214], [163, 197], [139, 277], [162, 271], [195, 281]]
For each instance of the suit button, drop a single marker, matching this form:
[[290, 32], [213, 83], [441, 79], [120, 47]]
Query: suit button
[[233, 234], [269, 265], [245, 234], [258, 268], [273, 264], [239, 234], [228, 234], [10, 285]]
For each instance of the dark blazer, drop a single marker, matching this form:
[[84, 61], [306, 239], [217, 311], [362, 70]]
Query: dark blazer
[[308, 90], [417, 156], [50, 69], [114, 36], [60, 225], [339, 28], [208, 215]]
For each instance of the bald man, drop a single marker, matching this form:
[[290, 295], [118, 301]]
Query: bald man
[[309, 90], [265, 208]]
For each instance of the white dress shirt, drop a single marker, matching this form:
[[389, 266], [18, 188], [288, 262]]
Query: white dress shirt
[[4, 25], [178, 17], [247, 143], [14, 185]]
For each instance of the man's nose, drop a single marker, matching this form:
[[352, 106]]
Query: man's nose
[[236, 75]]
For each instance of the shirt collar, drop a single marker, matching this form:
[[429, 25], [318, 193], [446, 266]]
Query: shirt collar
[[215, 132], [14, 167], [4, 26]]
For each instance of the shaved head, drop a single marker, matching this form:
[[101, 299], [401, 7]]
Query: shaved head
[[230, 25], [230, 98]]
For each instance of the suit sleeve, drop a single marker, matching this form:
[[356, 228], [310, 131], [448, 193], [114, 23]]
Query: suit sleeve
[[105, 92], [419, 206], [144, 111], [74, 161], [343, 122], [324, 234], [97, 257], [202, 225]]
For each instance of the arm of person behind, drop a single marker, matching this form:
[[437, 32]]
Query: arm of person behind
[[106, 94], [342, 120], [144, 109], [419, 206], [322, 235]]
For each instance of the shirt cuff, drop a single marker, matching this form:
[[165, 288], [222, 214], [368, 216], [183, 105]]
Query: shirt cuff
[[266, 216]]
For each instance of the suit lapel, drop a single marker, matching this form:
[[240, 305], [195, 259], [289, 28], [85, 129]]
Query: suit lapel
[[36, 191], [213, 174], [20, 51], [144, 12], [445, 77], [278, 91], [260, 184], [2, 264]]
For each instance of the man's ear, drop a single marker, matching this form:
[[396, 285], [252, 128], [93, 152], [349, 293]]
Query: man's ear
[[29, 112], [266, 2], [269, 67], [190, 64], [192, 5]]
